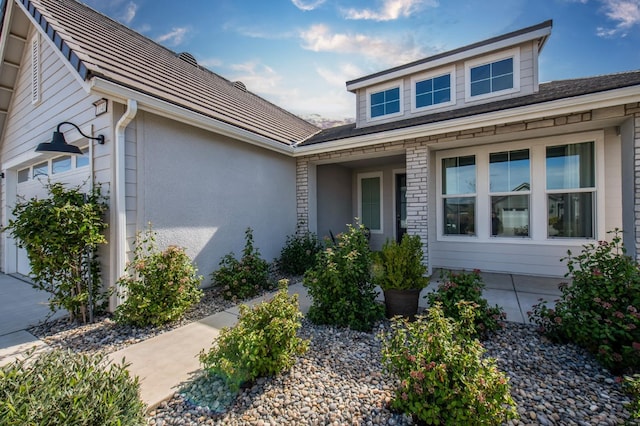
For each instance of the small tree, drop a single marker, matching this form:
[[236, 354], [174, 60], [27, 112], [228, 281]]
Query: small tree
[[61, 235]]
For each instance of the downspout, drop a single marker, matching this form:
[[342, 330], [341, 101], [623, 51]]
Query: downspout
[[119, 192]]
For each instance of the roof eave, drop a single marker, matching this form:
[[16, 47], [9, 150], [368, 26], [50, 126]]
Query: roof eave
[[529, 112], [175, 112]]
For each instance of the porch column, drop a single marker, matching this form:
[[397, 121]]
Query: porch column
[[302, 196], [417, 194]]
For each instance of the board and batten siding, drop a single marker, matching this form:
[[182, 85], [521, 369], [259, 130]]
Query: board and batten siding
[[528, 84]]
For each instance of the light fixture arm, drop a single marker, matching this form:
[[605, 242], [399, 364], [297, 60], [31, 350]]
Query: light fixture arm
[[99, 138]]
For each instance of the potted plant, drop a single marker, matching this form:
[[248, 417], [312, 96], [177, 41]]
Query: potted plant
[[400, 273]]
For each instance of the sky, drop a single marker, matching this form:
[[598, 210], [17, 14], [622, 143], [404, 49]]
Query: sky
[[299, 54]]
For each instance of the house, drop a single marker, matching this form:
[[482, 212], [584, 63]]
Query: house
[[198, 156], [493, 169]]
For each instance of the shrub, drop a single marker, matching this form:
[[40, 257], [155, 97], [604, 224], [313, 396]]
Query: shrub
[[299, 253], [61, 235], [631, 384], [443, 375], [600, 309], [340, 284], [160, 285], [399, 266], [264, 342], [244, 278], [60, 387], [467, 286]]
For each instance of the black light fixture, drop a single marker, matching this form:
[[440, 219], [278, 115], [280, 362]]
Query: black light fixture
[[59, 144]]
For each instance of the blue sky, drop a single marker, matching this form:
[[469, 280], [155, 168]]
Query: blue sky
[[299, 53]]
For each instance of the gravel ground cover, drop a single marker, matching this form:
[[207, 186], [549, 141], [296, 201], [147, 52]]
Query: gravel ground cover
[[339, 381]]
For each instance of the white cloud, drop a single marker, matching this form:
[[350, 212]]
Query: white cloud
[[319, 38], [129, 13], [210, 62], [626, 14], [258, 78], [174, 37], [307, 4], [390, 10], [345, 72]]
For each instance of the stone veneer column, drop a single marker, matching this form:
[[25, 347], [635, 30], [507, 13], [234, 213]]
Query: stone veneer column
[[302, 196], [417, 194]]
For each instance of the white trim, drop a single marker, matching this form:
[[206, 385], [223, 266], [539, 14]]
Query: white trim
[[379, 175], [468, 65], [383, 88], [431, 75]]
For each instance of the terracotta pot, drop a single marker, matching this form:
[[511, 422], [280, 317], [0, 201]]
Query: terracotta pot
[[402, 302]]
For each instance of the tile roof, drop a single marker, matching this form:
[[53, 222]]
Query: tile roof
[[550, 91], [95, 45]]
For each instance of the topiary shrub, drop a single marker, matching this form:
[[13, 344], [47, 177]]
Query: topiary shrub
[[244, 278], [600, 309], [467, 286], [443, 375], [61, 234], [340, 284], [399, 266], [264, 342], [63, 388], [160, 285], [299, 253]]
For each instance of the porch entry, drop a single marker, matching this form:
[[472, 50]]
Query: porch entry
[[401, 205]]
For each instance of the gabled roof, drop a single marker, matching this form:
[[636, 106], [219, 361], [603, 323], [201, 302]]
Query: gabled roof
[[551, 91], [98, 47]]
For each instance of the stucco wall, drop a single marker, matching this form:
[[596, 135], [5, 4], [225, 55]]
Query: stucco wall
[[334, 194], [201, 191]]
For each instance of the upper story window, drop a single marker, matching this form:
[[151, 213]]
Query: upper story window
[[494, 75], [433, 90], [384, 103]]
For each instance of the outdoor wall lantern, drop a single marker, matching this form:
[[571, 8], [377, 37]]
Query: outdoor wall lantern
[[59, 144]]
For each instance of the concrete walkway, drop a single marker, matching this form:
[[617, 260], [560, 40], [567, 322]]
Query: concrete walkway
[[166, 361]]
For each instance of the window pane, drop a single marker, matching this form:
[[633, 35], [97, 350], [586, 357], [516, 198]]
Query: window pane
[[82, 160], [370, 193], [392, 94], [480, 87], [442, 82], [377, 98], [23, 175], [377, 110], [440, 96], [61, 164], [510, 216], [460, 215], [502, 83], [571, 215], [385, 102], [571, 166], [459, 175], [509, 171], [423, 100], [482, 72], [41, 169], [393, 107], [502, 67], [424, 86]]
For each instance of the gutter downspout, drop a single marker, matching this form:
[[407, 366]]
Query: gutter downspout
[[120, 194]]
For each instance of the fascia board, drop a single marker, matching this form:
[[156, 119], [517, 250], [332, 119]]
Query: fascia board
[[168, 110], [461, 56], [530, 112], [4, 36]]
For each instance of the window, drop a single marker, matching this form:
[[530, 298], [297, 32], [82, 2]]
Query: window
[[61, 164], [83, 160], [493, 75], [23, 175], [458, 193], [509, 188], [385, 102], [371, 201], [571, 190], [41, 169], [433, 91]]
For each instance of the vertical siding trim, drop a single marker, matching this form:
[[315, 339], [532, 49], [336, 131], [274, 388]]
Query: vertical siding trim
[[35, 69]]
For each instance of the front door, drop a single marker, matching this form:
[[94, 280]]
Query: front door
[[401, 206]]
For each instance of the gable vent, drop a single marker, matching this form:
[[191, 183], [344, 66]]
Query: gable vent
[[35, 69], [188, 58], [240, 85]]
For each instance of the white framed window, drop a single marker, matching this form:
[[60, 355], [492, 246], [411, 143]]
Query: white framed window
[[35, 69], [54, 166], [458, 185], [509, 192], [493, 75], [385, 101], [433, 90], [370, 201]]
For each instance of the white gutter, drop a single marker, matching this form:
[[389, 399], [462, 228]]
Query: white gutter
[[119, 194], [184, 115], [530, 112]]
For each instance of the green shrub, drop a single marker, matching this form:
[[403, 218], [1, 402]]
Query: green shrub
[[244, 278], [600, 309], [631, 384], [63, 388], [443, 375], [61, 234], [340, 284], [264, 342], [399, 266], [160, 286], [467, 286], [299, 253]]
